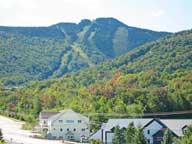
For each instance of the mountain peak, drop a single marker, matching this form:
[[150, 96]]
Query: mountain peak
[[109, 20], [84, 22], [64, 24]]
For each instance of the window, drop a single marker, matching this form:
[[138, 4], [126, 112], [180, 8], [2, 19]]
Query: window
[[82, 129], [61, 129], [60, 121], [54, 137], [79, 121], [60, 137], [70, 121], [45, 130], [67, 129], [148, 141], [70, 137], [184, 131], [157, 139], [74, 129], [148, 131]]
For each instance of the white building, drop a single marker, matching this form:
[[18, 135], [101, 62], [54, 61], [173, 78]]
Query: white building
[[66, 125], [43, 119], [153, 129]]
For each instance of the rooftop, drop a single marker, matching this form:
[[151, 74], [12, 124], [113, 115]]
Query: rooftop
[[46, 115], [123, 123], [175, 125]]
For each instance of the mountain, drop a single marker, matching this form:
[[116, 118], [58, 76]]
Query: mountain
[[155, 77], [38, 53]]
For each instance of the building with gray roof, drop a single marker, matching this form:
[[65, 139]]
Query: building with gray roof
[[153, 129]]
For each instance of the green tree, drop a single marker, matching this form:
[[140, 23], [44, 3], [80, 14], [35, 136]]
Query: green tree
[[135, 110], [95, 141], [1, 136], [187, 138], [36, 105], [116, 139], [129, 133], [118, 136], [188, 132], [167, 137], [139, 137]]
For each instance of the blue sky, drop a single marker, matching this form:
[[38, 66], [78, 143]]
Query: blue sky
[[160, 15]]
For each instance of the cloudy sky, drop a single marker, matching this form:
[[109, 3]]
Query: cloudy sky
[[161, 15]]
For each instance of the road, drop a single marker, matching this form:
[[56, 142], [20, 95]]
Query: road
[[13, 133]]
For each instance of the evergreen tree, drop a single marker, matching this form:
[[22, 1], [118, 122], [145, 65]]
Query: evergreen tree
[[36, 105], [188, 132], [118, 136], [167, 137], [122, 136], [1, 135], [139, 137], [187, 139], [129, 133]]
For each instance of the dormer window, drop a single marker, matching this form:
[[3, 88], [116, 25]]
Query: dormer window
[[148, 131], [82, 129], [70, 121], [184, 129]]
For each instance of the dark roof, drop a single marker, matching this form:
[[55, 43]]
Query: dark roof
[[161, 132], [46, 115]]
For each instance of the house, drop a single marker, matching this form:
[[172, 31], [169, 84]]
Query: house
[[65, 125], [107, 132], [153, 129], [43, 119]]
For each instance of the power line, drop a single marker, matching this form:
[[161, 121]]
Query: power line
[[141, 114], [11, 113]]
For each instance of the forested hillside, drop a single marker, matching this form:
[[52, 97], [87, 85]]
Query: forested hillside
[[37, 53], [155, 77]]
